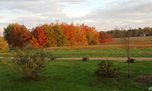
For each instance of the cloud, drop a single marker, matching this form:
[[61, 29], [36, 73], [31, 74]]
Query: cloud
[[102, 14], [126, 12], [72, 1], [18, 0]]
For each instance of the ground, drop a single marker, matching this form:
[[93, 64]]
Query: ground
[[76, 75]]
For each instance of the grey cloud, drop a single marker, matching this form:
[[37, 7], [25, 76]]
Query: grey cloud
[[18, 0], [136, 13], [125, 12], [35, 7], [72, 1]]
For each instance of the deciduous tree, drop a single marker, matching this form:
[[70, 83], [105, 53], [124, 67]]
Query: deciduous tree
[[38, 33], [19, 36], [8, 29]]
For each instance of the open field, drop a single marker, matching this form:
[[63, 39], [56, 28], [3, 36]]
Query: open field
[[108, 52], [140, 47], [143, 41], [76, 75], [93, 51]]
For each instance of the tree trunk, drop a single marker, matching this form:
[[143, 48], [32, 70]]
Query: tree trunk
[[128, 54]]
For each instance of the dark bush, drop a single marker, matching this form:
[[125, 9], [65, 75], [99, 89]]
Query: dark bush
[[85, 59], [131, 60], [107, 69], [53, 58]]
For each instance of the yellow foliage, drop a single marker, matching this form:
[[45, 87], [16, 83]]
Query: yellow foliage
[[3, 45]]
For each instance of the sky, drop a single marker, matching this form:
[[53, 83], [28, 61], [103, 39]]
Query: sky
[[102, 14]]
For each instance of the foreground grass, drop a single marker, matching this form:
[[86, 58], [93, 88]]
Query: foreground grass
[[63, 75]]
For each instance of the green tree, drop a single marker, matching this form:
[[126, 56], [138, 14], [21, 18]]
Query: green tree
[[59, 36], [49, 32], [90, 38]]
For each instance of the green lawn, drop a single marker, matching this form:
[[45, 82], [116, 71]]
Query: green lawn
[[76, 75], [93, 52], [108, 52]]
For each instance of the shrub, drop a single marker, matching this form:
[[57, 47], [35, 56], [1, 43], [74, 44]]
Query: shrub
[[3, 45], [53, 58], [29, 61], [85, 59], [107, 69], [131, 60]]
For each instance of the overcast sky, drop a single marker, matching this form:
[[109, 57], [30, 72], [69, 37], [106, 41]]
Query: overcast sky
[[102, 14]]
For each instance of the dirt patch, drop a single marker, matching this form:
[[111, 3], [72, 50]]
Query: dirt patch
[[144, 78]]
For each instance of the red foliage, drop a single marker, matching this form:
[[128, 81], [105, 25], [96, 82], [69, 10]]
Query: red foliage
[[38, 33], [46, 35], [105, 38], [19, 36], [74, 34]]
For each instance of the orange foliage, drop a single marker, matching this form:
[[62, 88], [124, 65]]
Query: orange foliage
[[57, 35], [74, 34], [19, 36], [38, 33], [34, 42], [105, 38]]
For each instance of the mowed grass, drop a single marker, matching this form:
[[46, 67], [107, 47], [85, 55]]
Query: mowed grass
[[140, 47], [71, 52], [107, 52], [76, 75]]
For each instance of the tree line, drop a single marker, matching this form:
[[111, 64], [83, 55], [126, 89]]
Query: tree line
[[146, 31], [54, 35]]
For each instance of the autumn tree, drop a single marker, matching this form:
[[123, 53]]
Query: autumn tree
[[75, 34], [49, 32], [101, 37], [38, 33], [56, 35], [105, 38], [80, 36], [34, 42], [59, 36], [8, 29], [69, 32], [19, 36], [92, 37], [3, 45]]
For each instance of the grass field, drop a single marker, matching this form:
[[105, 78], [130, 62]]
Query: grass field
[[108, 52], [93, 51], [140, 47], [76, 75]]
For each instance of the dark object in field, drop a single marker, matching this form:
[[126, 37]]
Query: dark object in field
[[53, 58], [85, 59], [132, 60]]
